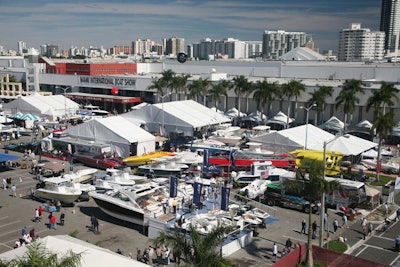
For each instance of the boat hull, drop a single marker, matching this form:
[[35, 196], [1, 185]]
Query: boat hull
[[146, 158], [64, 198]]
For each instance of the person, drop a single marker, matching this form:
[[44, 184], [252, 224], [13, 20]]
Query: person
[[288, 244], [58, 205], [370, 228], [62, 219], [4, 184], [145, 257], [341, 238], [386, 223], [385, 208], [176, 254], [23, 231], [165, 256], [159, 255], [32, 234], [53, 222], [49, 217], [274, 251], [397, 243], [17, 244], [37, 218], [314, 229], [96, 225], [303, 226], [325, 220], [92, 219], [119, 251], [14, 190], [40, 212], [344, 220], [398, 214], [335, 225]]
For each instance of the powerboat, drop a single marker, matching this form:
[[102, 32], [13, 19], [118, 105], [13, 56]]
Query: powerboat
[[135, 204], [255, 188], [259, 213], [81, 176], [230, 136], [145, 158], [123, 177], [386, 166], [162, 168], [99, 161], [188, 157], [58, 188]]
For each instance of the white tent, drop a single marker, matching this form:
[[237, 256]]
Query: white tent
[[38, 105], [92, 255], [290, 139], [333, 125], [303, 53], [280, 120], [117, 131], [177, 116]]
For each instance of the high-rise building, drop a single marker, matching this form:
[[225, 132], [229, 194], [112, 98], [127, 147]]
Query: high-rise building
[[144, 47], [228, 48], [173, 46], [390, 24], [277, 43], [360, 44], [21, 48]]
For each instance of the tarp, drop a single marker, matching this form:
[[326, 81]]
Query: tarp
[[117, 131], [290, 139], [7, 157], [92, 255], [177, 116]]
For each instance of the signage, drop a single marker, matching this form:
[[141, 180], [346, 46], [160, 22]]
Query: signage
[[113, 81]]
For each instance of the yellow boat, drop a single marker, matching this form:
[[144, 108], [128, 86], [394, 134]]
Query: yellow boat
[[304, 158], [146, 158]]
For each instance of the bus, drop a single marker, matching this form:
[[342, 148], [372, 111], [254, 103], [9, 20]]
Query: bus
[[353, 193]]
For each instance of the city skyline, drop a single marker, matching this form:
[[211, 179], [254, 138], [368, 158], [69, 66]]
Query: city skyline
[[99, 23]]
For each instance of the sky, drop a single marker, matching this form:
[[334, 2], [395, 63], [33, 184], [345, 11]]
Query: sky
[[119, 22]]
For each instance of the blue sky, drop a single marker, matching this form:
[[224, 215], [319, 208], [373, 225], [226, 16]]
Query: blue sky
[[119, 22]]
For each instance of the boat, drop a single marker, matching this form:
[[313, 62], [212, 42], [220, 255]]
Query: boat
[[255, 188], [230, 136], [57, 188], [145, 158], [135, 204], [81, 176], [263, 170], [259, 213], [188, 157], [386, 166], [123, 177], [162, 168], [95, 110], [304, 158], [98, 161]]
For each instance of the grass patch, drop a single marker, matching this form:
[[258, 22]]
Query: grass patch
[[98, 243], [383, 179], [74, 233], [336, 245]]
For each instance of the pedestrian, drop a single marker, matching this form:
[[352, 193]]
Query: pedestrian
[[274, 252], [335, 225], [96, 225], [32, 234], [370, 228], [40, 209], [4, 184], [176, 254], [37, 218], [288, 245], [14, 190], [159, 255], [23, 231], [314, 229], [398, 214], [62, 219], [397, 243], [303, 226], [53, 222], [344, 220], [166, 254], [92, 219], [325, 220], [385, 208]]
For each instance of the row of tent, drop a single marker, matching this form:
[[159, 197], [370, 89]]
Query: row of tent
[[24, 116]]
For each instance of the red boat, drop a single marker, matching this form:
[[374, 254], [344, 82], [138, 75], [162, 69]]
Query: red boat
[[99, 161]]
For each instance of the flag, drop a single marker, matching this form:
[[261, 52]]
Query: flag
[[197, 192], [232, 158], [206, 157], [225, 191], [173, 186]]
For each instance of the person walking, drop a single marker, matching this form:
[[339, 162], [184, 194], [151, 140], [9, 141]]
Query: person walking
[[314, 229], [274, 252], [288, 244], [335, 225], [303, 226], [4, 184], [62, 219], [397, 243], [398, 214], [37, 218], [370, 228], [344, 220], [96, 225], [53, 222], [14, 190]]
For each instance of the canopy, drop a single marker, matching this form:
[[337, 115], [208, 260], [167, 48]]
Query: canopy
[[7, 157], [280, 119], [92, 255], [349, 145], [333, 125]]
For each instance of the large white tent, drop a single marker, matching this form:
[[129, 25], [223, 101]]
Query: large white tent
[[279, 121], [333, 125], [116, 131], [183, 117], [42, 106], [92, 255]]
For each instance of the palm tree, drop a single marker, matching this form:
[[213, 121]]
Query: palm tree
[[383, 123], [168, 78], [309, 189], [318, 97], [348, 97], [216, 92], [199, 88], [158, 85], [240, 85], [227, 84], [264, 94], [38, 256], [180, 84], [206, 251], [292, 89], [247, 91]]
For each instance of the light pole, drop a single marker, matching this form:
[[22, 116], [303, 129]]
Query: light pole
[[322, 212], [65, 98], [307, 110], [163, 116]]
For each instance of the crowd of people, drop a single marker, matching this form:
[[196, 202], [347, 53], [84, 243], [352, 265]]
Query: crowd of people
[[160, 255]]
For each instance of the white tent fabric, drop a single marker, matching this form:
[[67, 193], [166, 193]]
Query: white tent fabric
[[333, 124], [302, 53], [178, 116], [37, 104], [290, 139], [281, 119], [349, 145], [92, 255], [117, 131], [364, 124]]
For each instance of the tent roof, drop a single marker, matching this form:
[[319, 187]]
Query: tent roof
[[302, 53], [333, 123], [280, 117], [61, 244]]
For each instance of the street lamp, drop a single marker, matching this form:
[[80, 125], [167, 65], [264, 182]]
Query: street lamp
[[322, 210], [65, 98], [307, 110], [163, 116]]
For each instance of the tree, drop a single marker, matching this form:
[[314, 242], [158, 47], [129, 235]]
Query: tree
[[168, 80], [240, 85], [38, 256], [206, 251], [180, 84], [311, 188], [292, 89], [199, 88], [348, 97], [217, 91], [264, 93], [383, 123], [157, 85], [318, 97]]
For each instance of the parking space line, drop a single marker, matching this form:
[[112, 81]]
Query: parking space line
[[4, 225], [395, 260], [361, 251], [2, 244], [3, 218]]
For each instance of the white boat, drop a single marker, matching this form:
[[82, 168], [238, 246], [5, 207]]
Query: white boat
[[81, 176], [259, 213], [255, 188], [231, 136], [162, 168], [188, 157], [58, 188], [95, 110], [255, 148], [133, 204], [386, 166], [123, 177], [263, 170]]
